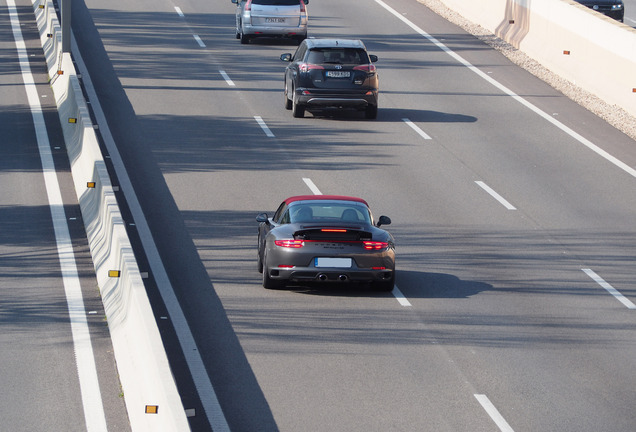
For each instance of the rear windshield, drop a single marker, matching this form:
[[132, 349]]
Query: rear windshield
[[328, 212], [277, 2], [338, 55]]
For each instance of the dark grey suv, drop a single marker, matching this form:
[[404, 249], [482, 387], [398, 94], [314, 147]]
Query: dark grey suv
[[331, 73]]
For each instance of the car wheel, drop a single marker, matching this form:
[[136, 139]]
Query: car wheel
[[259, 261], [371, 112], [288, 102], [384, 285], [298, 110], [269, 283], [245, 39]]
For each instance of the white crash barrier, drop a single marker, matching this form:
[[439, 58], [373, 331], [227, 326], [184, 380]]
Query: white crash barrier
[[142, 363], [594, 52]]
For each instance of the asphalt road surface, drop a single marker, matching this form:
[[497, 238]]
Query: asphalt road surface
[[512, 210], [630, 12]]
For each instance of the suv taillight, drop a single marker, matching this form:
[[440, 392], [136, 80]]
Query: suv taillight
[[248, 5], [303, 8], [369, 68], [306, 67]]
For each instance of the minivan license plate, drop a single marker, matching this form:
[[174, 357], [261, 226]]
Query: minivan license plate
[[338, 74]]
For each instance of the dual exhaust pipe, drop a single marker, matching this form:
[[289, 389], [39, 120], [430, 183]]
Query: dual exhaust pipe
[[323, 277]]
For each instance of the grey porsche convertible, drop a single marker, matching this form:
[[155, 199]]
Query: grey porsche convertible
[[325, 239]]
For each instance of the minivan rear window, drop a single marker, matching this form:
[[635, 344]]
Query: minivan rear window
[[276, 2]]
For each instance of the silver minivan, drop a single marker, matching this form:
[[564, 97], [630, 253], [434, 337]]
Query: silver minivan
[[271, 18]]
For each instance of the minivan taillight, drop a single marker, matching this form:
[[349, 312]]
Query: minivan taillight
[[248, 5], [303, 8]]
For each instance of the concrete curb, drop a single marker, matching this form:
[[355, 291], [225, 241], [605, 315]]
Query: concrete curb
[[142, 363]]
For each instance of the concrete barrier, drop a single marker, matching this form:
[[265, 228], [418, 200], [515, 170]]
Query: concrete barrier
[[594, 52], [142, 363]]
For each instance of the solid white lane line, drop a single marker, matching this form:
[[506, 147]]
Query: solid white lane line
[[314, 189], [610, 289], [263, 126], [494, 413], [199, 41], [85, 359], [495, 195], [227, 79], [188, 345], [179, 12], [622, 165], [416, 129], [400, 297]]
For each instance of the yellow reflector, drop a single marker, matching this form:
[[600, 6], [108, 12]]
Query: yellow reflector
[[113, 273], [152, 409], [90, 184], [72, 120]]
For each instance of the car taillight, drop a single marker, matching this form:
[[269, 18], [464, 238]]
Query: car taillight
[[373, 245], [369, 68], [290, 243], [306, 67], [248, 5], [303, 8], [333, 230]]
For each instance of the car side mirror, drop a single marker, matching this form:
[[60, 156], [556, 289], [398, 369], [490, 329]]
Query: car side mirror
[[263, 218], [235, 1], [286, 57], [373, 58], [306, 1], [384, 220]]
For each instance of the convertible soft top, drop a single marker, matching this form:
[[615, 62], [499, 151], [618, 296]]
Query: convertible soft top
[[325, 197]]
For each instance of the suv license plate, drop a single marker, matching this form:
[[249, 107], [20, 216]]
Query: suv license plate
[[338, 74], [275, 20], [333, 262]]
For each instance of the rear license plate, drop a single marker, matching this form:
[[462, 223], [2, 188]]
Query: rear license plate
[[333, 262], [275, 20], [338, 74]]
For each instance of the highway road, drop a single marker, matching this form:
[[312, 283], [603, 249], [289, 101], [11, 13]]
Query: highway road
[[505, 318], [630, 12], [512, 209], [53, 377]]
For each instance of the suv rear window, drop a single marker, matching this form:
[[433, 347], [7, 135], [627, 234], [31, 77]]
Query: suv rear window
[[338, 55], [276, 2]]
